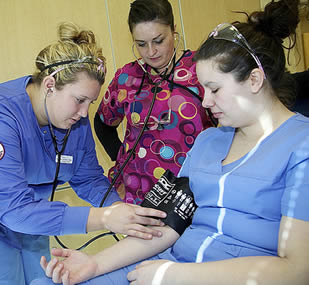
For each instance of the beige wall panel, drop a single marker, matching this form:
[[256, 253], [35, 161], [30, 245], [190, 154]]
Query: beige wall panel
[[295, 60], [177, 18], [302, 50], [28, 26], [121, 46], [306, 49], [201, 16], [121, 37], [304, 29], [177, 10]]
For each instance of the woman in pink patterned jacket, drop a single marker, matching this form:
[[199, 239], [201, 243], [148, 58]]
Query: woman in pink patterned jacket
[[176, 117]]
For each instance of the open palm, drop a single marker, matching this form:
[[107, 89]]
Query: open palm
[[69, 266]]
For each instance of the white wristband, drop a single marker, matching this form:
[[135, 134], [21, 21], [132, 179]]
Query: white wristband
[[157, 279]]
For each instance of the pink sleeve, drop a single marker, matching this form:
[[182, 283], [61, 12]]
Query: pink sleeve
[[111, 110]]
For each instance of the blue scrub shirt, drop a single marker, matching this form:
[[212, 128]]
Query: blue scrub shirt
[[27, 169]]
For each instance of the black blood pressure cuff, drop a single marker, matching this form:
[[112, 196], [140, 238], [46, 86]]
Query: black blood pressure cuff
[[173, 196]]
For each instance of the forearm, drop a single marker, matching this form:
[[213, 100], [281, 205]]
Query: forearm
[[131, 250], [247, 270]]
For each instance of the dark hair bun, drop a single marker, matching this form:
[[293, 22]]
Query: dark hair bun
[[279, 18]]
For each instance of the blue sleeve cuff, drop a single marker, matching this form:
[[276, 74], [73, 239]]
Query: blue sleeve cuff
[[75, 220], [111, 198]]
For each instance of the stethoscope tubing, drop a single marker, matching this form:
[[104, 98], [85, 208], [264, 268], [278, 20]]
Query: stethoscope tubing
[[59, 153]]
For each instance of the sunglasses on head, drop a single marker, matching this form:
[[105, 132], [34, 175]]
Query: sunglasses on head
[[230, 33]]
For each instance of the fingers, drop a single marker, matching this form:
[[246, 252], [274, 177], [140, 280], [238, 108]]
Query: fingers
[[144, 263], [54, 268], [150, 221], [133, 221], [57, 273], [60, 252], [143, 232], [153, 231], [50, 266], [65, 278], [134, 233], [134, 218], [146, 216], [43, 262], [131, 276], [141, 211]]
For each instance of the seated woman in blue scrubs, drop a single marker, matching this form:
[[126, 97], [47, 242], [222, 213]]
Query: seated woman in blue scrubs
[[41, 115], [252, 221]]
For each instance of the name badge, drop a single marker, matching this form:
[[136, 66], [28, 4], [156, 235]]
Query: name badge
[[67, 159]]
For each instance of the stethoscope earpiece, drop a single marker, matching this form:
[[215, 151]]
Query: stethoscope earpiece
[[49, 91], [177, 37]]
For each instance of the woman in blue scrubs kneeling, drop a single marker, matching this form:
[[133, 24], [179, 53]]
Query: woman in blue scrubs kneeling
[[43, 126]]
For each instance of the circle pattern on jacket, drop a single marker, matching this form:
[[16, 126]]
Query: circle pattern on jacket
[[174, 123]]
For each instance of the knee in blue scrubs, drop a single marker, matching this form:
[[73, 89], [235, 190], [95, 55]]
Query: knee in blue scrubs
[[19, 266], [11, 265]]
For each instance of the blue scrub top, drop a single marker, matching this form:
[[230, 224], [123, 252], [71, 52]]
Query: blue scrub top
[[27, 169], [240, 205]]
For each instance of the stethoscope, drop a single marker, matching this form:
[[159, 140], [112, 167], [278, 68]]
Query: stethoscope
[[110, 188], [156, 85], [63, 143], [164, 76], [59, 152]]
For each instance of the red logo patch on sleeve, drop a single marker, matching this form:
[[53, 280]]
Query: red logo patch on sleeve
[[2, 151]]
